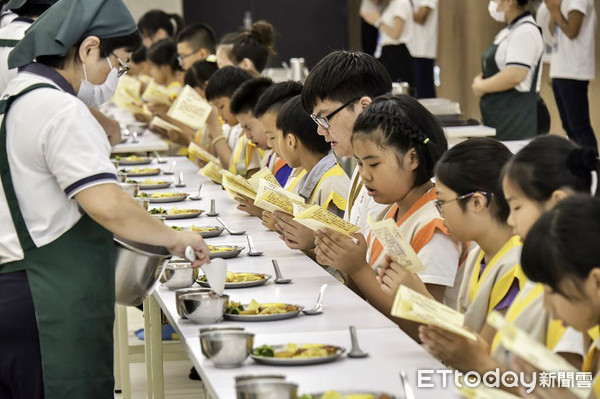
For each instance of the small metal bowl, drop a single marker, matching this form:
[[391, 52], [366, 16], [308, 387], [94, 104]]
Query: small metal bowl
[[204, 307], [262, 389], [241, 379], [179, 275], [226, 348], [138, 127], [183, 291], [130, 188]]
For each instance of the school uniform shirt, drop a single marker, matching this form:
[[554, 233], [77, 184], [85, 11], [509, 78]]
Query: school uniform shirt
[[325, 185], [245, 157], [491, 286], [232, 133], [423, 227], [174, 88], [528, 313], [295, 177], [6, 17], [574, 59], [53, 156], [280, 169], [14, 31], [361, 205], [521, 44], [424, 38], [397, 9]]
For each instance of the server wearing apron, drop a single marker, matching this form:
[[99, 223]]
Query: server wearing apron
[[509, 82], [60, 205]]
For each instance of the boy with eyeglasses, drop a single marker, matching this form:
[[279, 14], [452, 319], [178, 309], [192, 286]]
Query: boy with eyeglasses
[[195, 43]]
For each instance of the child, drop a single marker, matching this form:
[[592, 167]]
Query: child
[[224, 49], [325, 182], [397, 142], [226, 143], [252, 48], [561, 252], [542, 174], [164, 67], [471, 201], [195, 43], [156, 25]]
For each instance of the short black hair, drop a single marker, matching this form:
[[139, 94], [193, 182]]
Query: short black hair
[[164, 53], [275, 96], [200, 72], [154, 20], [225, 81], [476, 165], [130, 43], [293, 119], [344, 75], [33, 9], [549, 163], [140, 55], [254, 44], [401, 122], [563, 243], [245, 97], [200, 36]]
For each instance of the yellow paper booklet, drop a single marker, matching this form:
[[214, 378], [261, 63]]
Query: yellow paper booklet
[[202, 154], [213, 172], [235, 184], [157, 94], [190, 108], [533, 352], [411, 305], [127, 95], [395, 245], [483, 392], [316, 218], [272, 197], [163, 124], [266, 174]]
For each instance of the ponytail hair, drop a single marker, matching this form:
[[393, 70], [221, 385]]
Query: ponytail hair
[[199, 73], [164, 53], [255, 44], [401, 122], [154, 20], [549, 163]]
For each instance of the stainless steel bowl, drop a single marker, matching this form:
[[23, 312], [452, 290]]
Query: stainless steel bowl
[[179, 275], [204, 307], [226, 348], [241, 379], [273, 389], [130, 188], [183, 291], [138, 269], [138, 127]]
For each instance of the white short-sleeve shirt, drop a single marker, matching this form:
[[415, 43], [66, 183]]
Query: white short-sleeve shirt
[[424, 38], [56, 149], [363, 206], [14, 31], [520, 44], [397, 9], [575, 59], [6, 18]]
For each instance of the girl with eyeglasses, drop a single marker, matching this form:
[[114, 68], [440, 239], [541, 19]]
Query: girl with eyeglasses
[[397, 142]]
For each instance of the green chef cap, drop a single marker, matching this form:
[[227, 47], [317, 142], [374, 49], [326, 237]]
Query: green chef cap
[[68, 22], [15, 4]]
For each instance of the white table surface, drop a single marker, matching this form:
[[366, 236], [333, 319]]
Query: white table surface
[[390, 349]]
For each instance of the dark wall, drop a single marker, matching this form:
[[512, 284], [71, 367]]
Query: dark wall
[[305, 28]]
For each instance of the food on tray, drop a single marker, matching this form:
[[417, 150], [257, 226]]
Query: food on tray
[[172, 211], [203, 229], [147, 182], [131, 158], [138, 170], [337, 395], [217, 249], [255, 308], [162, 195], [177, 228], [292, 351]]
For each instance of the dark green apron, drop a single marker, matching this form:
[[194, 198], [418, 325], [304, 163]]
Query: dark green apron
[[72, 282], [512, 113]]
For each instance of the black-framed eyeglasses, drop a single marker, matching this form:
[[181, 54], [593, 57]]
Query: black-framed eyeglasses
[[123, 66], [323, 121], [181, 57], [439, 202]]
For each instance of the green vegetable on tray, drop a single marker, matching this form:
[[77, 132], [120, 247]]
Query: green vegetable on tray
[[117, 157], [158, 211], [264, 351], [131, 181], [234, 308], [176, 228], [143, 195]]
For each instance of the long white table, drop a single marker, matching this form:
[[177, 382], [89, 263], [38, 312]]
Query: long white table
[[389, 348]]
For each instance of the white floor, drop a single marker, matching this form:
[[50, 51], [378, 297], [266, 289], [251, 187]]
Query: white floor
[[177, 383]]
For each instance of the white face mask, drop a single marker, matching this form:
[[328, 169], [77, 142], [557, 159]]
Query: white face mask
[[96, 95], [494, 13]]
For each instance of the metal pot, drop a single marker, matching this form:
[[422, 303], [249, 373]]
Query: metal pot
[[138, 269], [266, 390], [179, 275], [184, 291], [226, 348], [203, 307]]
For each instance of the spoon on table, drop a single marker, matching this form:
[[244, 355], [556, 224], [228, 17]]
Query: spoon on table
[[171, 169], [355, 352], [318, 309], [252, 250], [134, 138], [278, 276], [408, 392], [213, 209], [158, 158], [198, 196], [180, 182], [232, 232]]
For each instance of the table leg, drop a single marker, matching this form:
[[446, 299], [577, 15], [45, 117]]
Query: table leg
[[157, 354], [148, 349], [123, 349], [116, 361]]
